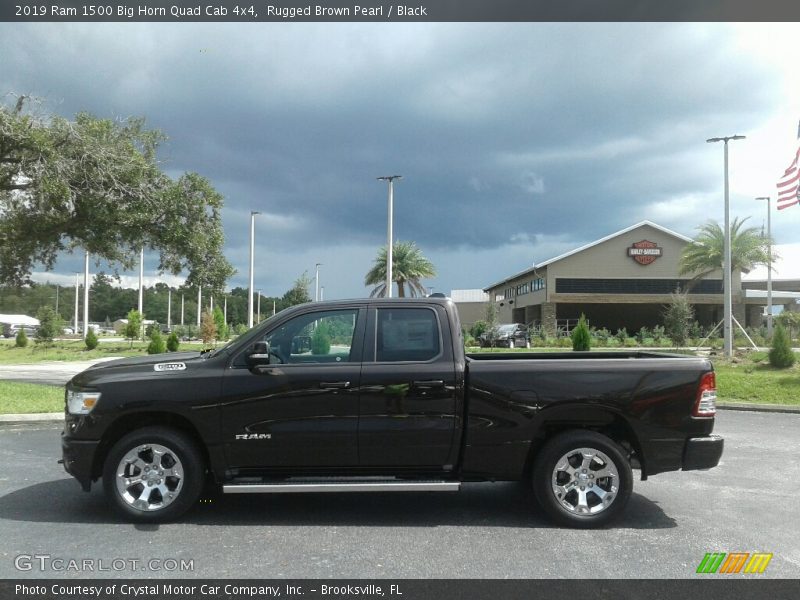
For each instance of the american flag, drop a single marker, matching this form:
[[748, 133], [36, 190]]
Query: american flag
[[789, 184]]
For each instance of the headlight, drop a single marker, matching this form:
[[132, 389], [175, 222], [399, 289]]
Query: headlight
[[82, 403]]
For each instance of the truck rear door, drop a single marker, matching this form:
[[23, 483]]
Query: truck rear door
[[407, 405]]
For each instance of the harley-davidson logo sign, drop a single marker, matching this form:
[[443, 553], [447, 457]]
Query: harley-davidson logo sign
[[644, 252]]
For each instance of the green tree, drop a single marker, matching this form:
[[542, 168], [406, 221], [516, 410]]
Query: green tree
[[781, 355], [298, 294], [705, 254], [173, 342], [21, 341], [409, 266], [581, 338], [133, 328], [156, 345], [321, 340], [50, 325], [90, 340], [219, 321], [677, 317], [790, 320], [96, 184]]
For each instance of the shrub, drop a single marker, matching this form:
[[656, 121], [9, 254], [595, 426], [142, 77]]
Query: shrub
[[157, 344], [658, 334], [320, 340], [91, 339], [133, 328], [677, 318], [22, 339], [478, 328], [50, 324], [642, 335], [581, 340], [240, 329], [173, 342], [208, 329], [222, 326], [622, 336], [781, 355]]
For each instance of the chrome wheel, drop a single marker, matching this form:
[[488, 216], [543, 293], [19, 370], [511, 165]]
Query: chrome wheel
[[585, 481], [149, 477]]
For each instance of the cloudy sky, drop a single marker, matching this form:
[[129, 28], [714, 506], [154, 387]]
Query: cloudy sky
[[516, 142]]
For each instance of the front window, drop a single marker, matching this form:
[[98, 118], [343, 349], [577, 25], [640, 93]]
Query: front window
[[319, 337]]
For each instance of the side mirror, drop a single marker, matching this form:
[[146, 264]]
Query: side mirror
[[258, 355]]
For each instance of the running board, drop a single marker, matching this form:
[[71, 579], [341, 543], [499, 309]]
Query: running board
[[342, 486]]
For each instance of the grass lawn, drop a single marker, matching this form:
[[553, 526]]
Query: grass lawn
[[754, 381], [72, 350], [18, 398]]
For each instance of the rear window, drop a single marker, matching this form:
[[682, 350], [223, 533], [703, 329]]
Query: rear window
[[407, 334]]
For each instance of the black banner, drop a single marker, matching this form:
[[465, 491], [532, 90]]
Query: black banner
[[407, 10], [709, 588]]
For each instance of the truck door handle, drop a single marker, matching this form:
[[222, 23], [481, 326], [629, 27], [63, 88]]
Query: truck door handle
[[334, 385], [428, 383]]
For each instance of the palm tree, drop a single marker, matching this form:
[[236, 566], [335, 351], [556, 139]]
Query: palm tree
[[749, 249], [409, 265]]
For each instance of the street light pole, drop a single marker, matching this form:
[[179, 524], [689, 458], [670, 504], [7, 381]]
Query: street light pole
[[726, 267], [169, 309], [253, 214], [141, 282], [316, 284], [77, 292], [199, 304], [389, 241], [259, 307], [769, 265], [86, 294]]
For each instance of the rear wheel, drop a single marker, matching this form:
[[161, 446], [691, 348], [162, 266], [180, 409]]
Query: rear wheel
[[153, 474], [582, 479]]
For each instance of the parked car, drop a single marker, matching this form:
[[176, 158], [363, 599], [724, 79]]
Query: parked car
[[11, 331], [512, 335], [386, 400]]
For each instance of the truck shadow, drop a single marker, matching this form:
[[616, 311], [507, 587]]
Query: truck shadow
[[477, 504]]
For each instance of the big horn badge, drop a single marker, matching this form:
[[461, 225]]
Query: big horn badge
[[644, 252]]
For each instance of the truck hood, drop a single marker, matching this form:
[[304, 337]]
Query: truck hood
[[134, 365]]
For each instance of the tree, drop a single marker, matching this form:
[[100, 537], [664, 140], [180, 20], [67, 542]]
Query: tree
[[790, 320], [678, 316], [321, 340], [91, 339], [298, 294], [156, 345], [208, 329], [21, 340], [133, 328], [409, 266], [173, 342], [219, 322], [581, 338], [781, 355], [96, 184], [50, 325], [705, 254]]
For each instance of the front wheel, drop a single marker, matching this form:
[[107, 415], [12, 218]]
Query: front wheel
[[582, 479], [153, 474]]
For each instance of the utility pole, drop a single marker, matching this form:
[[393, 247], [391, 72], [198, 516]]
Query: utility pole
[[316, 284], [169, 309], [727, 326], [769, 265], [389, 241], [181, 310], [253, 214], [85, 294], [199, 303]]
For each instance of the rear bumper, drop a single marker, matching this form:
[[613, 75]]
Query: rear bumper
[[78, 458], [702, 452]]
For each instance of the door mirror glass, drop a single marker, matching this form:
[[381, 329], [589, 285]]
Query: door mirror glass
[[258, 354]]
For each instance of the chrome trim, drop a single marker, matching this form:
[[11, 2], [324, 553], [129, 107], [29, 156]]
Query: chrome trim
[[384, 486]]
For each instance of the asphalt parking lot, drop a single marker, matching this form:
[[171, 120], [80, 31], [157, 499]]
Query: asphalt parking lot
[[747, 504]]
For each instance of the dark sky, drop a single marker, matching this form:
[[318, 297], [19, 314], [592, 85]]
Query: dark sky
[[516, 141]]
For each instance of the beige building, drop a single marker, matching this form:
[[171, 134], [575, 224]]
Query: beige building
[[622, 280]]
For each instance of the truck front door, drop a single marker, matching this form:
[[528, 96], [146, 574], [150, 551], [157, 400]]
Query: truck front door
[[300, 410]]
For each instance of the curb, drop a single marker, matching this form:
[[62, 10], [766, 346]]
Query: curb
[[32, 418], [771, 408]]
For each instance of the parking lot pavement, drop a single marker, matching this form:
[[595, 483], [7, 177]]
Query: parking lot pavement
[[747, 504], [48, 372]]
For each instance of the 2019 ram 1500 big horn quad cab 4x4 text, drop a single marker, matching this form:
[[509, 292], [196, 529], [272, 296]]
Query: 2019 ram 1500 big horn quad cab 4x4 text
[[380, 396]]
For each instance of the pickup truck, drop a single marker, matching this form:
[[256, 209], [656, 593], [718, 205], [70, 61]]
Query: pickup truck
[[378, 395]]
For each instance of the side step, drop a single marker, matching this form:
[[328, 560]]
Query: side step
[[342, 485]]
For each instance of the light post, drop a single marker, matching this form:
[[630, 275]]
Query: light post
[[322, 293], [77, 292], [389, 242], [169, 309], [769, 265], [199, 304], [316, 284], [141, 283], [253, 214], [727, 326], [259, 307], [182, 298], [86, 294]]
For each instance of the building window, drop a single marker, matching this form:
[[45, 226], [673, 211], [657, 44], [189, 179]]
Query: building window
[[537, 284], [636, 286]]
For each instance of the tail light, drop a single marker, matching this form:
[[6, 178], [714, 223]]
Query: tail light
[[706, 403]]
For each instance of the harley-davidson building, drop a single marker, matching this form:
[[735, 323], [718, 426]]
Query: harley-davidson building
[[622, 280]]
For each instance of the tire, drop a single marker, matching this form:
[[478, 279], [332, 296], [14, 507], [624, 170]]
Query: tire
[[577, 457], [153, 475]]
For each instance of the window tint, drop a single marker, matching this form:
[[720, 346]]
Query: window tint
[[314, 338], [407, 334]]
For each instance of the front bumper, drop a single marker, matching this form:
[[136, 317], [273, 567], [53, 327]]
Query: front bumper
[[78, 457], [702, 452]]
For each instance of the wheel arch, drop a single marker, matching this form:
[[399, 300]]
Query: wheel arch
[[599, 419], [132, 421]]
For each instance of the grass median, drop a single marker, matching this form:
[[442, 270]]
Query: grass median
[[26, 398]]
